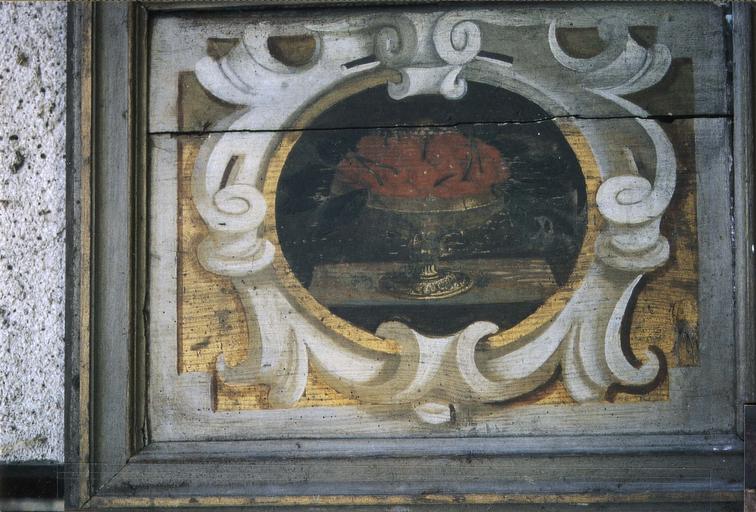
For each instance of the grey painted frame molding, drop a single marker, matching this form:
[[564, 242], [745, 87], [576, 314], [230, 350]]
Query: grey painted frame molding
[[743, 209], [110, 462]]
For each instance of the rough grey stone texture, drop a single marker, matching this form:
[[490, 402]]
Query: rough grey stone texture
[[32, 229]]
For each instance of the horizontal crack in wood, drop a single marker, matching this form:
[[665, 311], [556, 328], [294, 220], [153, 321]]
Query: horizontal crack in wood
[[661, 118]]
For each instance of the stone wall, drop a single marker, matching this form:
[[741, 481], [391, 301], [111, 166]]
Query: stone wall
[[32, 229]]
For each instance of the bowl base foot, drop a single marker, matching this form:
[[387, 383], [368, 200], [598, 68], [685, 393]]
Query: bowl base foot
[[427, 284]]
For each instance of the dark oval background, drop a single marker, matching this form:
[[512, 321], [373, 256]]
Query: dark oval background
[[545, 218]]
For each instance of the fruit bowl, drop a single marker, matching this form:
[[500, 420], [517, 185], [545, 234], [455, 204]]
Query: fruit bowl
[[428, 184]]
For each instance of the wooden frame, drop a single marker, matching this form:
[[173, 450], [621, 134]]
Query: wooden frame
[[111, 462]]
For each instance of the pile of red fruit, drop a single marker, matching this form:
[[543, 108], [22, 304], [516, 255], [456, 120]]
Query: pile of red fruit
[[422, 163]]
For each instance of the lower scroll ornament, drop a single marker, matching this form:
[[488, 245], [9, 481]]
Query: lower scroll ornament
[[352, 242]]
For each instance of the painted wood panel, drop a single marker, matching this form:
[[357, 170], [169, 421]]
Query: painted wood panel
[[432, 222], [212, 322]]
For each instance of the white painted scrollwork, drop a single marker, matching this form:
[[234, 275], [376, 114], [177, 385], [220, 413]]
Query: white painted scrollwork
[[623, 67], [431, 52], [233, 213], [457, 41], [631, 205], [396, 41], [425, 67]]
